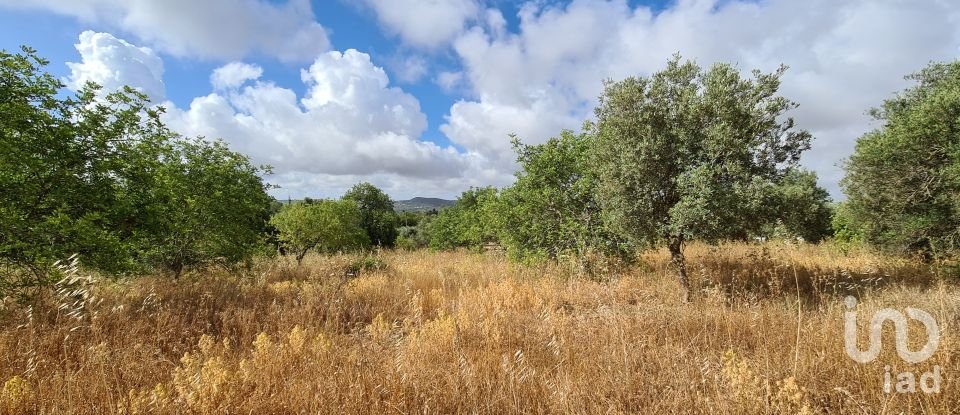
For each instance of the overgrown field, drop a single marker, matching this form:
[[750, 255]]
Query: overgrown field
[[471, 333]]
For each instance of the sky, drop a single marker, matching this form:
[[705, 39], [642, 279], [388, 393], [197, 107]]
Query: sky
[[419, 96]]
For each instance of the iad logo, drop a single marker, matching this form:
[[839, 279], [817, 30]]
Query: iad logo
[[906, 381]]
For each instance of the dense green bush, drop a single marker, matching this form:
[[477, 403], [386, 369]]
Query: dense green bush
[[903, 179], [551, 210], [800, 208], [472, 222], [103, 177]]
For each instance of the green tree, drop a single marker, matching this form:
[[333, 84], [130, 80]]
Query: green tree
[[377, 215], [61, 162], [207, 203], [845, 229], [414, 232], [691, 154], [324, 225], [471, 222], [551, 210], [803, 208], [97, 176], [903, 179]]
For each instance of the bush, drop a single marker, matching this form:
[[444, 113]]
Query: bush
[[551, 212], [367, 263], [472, 222]]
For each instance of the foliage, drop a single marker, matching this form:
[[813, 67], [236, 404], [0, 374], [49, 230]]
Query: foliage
[[903, 180], [551, 210], [802, 207], [691, 154], [61, 163], [377, 216], [412, 218], [845, 229], [471, 222], [102, 177], [206, 202], [366, 263], [324, 225]]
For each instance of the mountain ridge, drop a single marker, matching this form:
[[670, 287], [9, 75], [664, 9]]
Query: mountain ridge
[[421, 204]]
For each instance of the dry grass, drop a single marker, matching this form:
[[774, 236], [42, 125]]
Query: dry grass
[[469, 333]]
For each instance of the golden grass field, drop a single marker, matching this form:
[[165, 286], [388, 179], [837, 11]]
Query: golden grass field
[[471, 333]]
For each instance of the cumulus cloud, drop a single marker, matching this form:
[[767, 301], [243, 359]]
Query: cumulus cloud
[[845, 57], [535, 80], [113, 63], [425, 23], [234, 74], [219, 29], [349, 122], [349, 126]]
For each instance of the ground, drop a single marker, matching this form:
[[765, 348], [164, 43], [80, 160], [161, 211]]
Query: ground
[[466, 332]]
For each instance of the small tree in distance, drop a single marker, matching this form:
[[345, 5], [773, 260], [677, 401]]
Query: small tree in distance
[[803, 207], [377, 215], [691, 154], [324, 225], [471, 222]]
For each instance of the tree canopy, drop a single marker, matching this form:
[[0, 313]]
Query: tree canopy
[[803, 208], [688, 153], [377, 215], [551, 210], [903, 179], [101, 176], [472, 222], [322, 225]]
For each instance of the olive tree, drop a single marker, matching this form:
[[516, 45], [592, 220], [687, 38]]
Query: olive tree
[[903, 179], [803, 208], [688, 153]]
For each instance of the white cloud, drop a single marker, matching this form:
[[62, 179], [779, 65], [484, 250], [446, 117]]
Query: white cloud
[[845, 57], [219, 29], [350, 122], [425, 23], [449, 80], [234, 74], [349, 126], [409, 69], [113, 63]]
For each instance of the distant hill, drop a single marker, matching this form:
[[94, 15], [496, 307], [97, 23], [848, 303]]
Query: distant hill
[[421, 204]]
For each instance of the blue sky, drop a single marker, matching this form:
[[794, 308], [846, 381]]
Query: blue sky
[[303, 85], [349, 26]]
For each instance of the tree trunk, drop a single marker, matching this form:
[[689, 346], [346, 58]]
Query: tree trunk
[[676, 256]]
